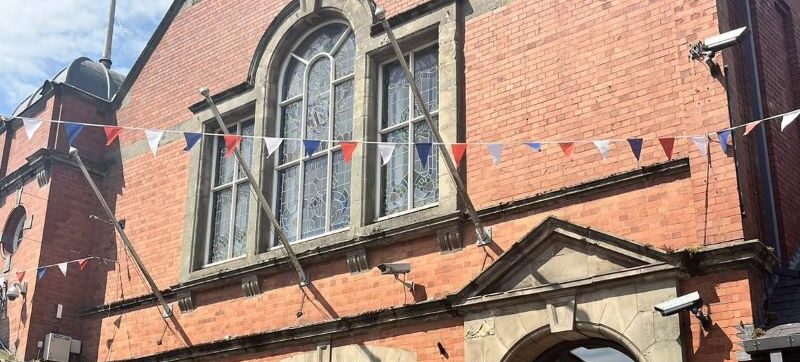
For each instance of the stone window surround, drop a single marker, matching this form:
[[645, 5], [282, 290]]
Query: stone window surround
[[438, 26]]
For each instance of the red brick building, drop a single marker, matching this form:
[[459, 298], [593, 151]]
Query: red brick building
[[582, 249]]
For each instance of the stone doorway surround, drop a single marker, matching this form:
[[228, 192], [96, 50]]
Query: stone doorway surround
[[563, 282]]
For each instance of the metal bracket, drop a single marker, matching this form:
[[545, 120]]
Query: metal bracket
[[485, 241]]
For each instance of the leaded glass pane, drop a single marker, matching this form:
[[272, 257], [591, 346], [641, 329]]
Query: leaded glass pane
[[319, 87], [340, 192], [315, 189], [293, 79], [245, 147], [224, 164], [220, 226], [291, 128], [395, 95], [395, 174], [345, 55], [321, 41], [240, 221], [426, 74], [426, 179], [343, 111], [288, 181]]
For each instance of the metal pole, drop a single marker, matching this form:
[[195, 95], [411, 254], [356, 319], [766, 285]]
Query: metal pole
[[106, 58], [483, 237], [259, 195], [153, 287]]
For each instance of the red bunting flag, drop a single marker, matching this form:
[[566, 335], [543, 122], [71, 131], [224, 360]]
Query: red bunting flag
[[83, 263], [667, 144], [112, 133], [347, 150], [20, 276], [231, 142], [750, 127], [458, 152], [568, 148]]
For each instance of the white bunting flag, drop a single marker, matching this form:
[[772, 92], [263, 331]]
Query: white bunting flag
[[496, 149], [63, 267], [789, 118], [702, 144], [386, 151], [153, 139], [272, 144], [602, 146], [31, 125]]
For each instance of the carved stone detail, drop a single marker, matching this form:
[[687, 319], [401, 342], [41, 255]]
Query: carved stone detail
[[357, 261], [185, 302], [449, 240], [251, 287], [486, 328]]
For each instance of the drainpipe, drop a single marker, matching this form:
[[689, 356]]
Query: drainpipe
[[767, 189]]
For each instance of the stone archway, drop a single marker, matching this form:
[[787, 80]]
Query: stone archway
[[541, 342]]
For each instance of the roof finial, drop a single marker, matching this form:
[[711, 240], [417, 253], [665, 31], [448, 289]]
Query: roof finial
[[106, 58]]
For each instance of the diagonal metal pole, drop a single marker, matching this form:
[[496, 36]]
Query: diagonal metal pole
[[113, 219], [259, 195], [483, 237]]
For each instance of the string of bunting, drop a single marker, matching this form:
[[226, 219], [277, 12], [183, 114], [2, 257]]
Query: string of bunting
[[386, 149], [42, 270]]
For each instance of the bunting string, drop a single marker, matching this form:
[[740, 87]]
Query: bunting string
[[19, 275]]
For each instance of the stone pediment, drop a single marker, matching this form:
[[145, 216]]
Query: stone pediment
[[556, 253]]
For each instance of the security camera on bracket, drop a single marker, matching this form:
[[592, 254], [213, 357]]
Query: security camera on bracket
[[396, 269], [15, 290], [690, 302], [706, 50]]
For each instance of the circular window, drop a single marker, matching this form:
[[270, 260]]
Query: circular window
[[15, 228], [594, 350]]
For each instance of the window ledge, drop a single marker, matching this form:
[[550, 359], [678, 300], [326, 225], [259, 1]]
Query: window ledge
[[423, 222]]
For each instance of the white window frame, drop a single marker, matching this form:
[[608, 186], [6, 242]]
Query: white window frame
[[304, 158], [234, 184], [408, 124]]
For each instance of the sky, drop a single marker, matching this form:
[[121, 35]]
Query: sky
[[38, 38]]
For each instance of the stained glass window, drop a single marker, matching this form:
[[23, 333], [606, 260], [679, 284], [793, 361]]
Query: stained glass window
[[230, 199], [405, 183], [316, 103]]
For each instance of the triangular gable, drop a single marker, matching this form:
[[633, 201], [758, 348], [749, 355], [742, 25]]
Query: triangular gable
[[556, 252]]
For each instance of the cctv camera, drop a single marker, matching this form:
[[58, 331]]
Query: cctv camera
[[394, 268], [687, 302], [724, 40], [12, 292]]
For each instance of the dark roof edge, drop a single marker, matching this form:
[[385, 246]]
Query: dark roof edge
[[148, 50]]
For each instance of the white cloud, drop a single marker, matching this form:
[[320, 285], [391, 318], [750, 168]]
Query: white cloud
[[39, 38]]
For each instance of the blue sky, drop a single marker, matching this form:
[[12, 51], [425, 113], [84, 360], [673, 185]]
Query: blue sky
[[40, 37]]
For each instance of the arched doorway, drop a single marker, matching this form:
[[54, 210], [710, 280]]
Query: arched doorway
[[591, 350]]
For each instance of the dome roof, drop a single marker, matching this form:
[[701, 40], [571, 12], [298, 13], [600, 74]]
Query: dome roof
[[83, 74]]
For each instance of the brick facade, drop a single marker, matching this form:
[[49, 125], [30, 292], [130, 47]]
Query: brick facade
[[525, 70]]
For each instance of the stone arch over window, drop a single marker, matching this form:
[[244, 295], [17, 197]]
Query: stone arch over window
[[542, 345], [14, 230]]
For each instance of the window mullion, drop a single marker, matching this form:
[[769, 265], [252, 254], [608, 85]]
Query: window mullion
[[411, 150], [232, 227], [301, 171]]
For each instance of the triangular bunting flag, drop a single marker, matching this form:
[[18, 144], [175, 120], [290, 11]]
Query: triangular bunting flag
[[231, 142], [496, 150], [73, 130], [602, 146], [386, 150], [750, 127], [31, 125], [789, 118], [111, 134], [41, 272], [702, 144], [568, 148], [83, 263], [311, 146], [723, 140], [347, 150], [667, 144], [20, 276], [536, 146], [191, 139], [423, 151], [636, 147], [458, 152], [272, 144], [63, 267], [153, 139]]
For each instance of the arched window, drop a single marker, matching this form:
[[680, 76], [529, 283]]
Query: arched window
[[315, 103], [14, 230]]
